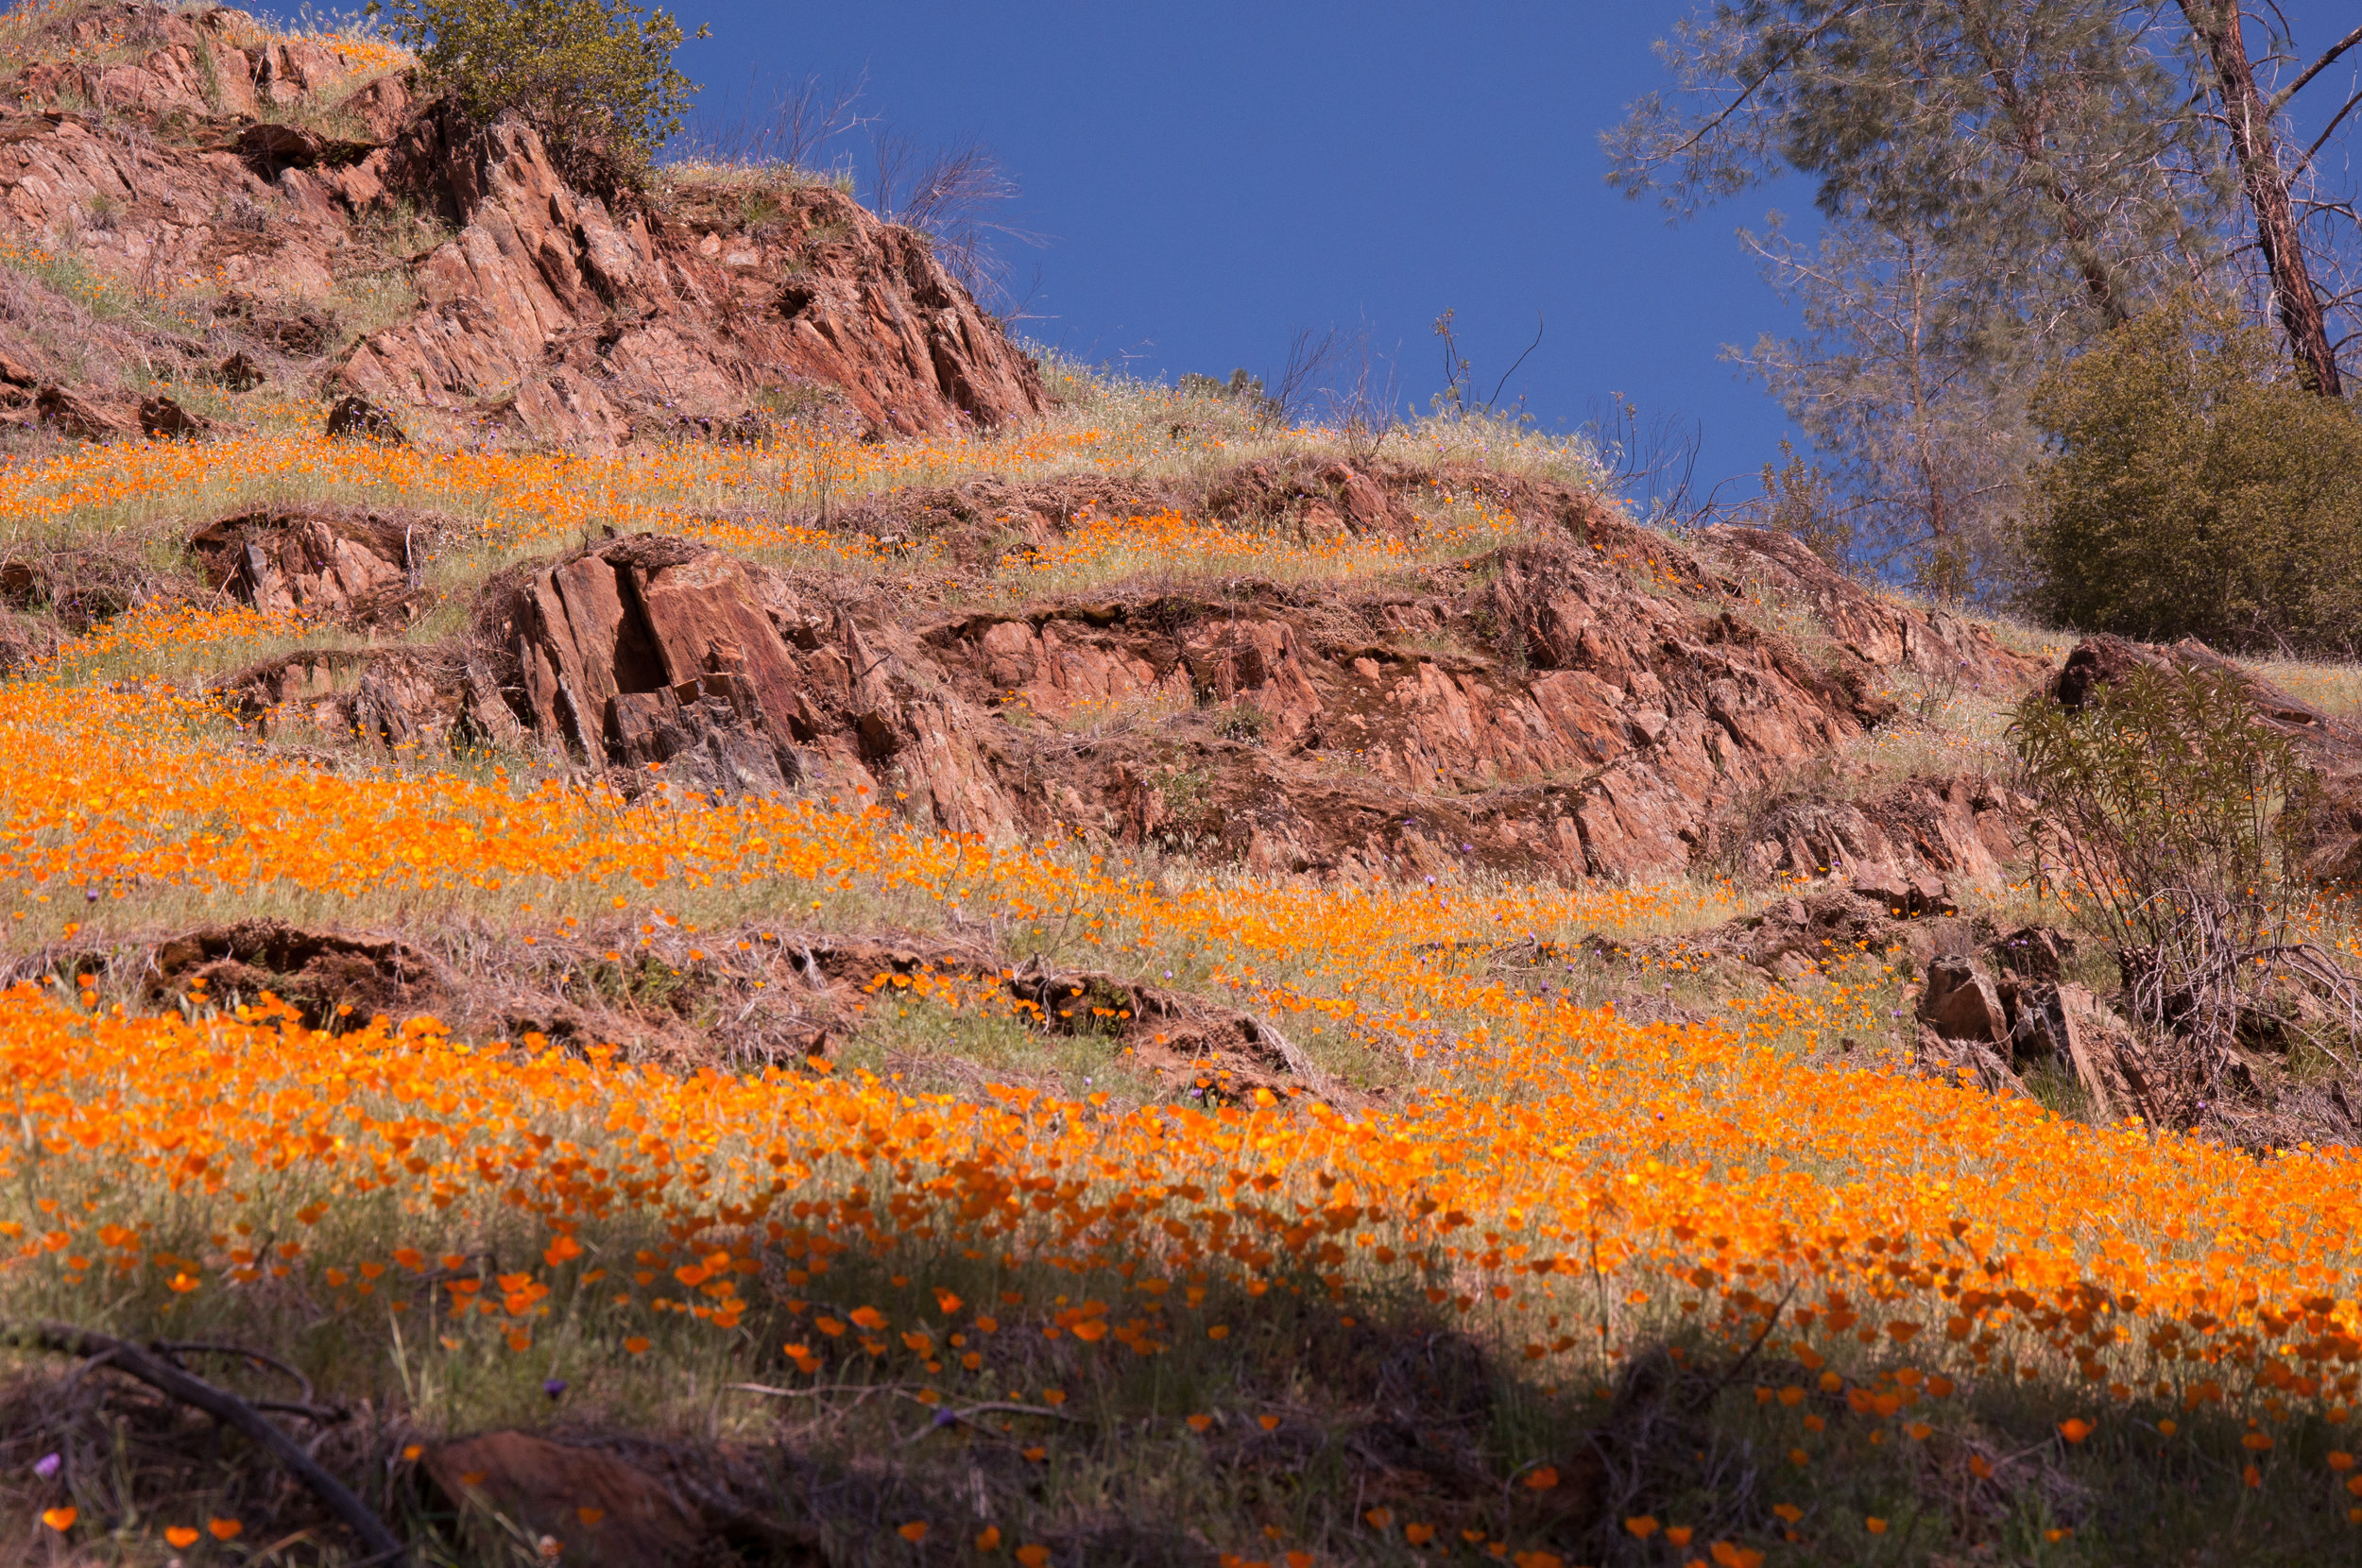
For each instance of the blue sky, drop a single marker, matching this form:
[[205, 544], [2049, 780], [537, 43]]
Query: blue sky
[[1213, 176]]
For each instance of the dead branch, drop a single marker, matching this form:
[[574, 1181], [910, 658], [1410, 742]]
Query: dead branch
[[1300, 1065], [175, 1349], [224, 1406], [944, 1416]]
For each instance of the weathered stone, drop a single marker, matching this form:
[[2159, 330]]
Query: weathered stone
[[313, 971], [1455, 761], [356, 418], [602, 322], [1883, 884], [706, 735], [160, 416], [1886, 633], [595, 1507], [79, 417], [1959, 1001], [2104, 1052], [238, 373], [547, 313], [350, 566]]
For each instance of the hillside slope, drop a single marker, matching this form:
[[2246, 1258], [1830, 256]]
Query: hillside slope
[[298, 203], [778, 935]]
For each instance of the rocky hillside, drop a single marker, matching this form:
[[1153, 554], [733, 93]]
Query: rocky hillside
[[293, 206], [1593, 700], [1581, 698]]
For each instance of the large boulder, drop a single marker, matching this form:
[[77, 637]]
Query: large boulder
[[83, 417], [1960, 1001], [604, 322], [354, 566]]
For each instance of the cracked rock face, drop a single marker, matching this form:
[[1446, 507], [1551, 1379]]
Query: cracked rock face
[[548, 313], [358, 568], [1617, 737], [586, 325]]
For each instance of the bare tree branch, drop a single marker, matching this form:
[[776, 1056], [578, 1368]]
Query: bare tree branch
[[2280, 99], [1308, 358], [945, 195], [2327, 131], [794, 130], [1494, 401]]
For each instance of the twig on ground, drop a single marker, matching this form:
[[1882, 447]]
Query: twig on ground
[[169, 1380], [1729, 1374], [946, 1416], [863, 1390], [1300, 1065], [175, 1349]]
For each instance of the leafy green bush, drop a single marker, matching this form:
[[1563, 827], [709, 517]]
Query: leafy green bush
[[2193, 489], [2171, 816], [595, 78], [2161, 782]]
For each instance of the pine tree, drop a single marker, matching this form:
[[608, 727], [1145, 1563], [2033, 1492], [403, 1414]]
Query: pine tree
[[1999, 182]]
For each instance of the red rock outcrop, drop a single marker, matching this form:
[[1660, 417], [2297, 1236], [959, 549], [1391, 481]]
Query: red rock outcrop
[[548, 313], [1883, 633], [587, 325], [435, 699], [171, 209], [359, 568], [1570, 716], [198, 64]]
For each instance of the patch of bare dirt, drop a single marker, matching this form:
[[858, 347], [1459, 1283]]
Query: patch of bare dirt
[[740, 999]]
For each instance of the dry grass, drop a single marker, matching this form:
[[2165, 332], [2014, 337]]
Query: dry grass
[[2334, 686]]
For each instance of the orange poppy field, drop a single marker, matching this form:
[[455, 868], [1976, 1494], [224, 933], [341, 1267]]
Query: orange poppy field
[[1901, 1300]]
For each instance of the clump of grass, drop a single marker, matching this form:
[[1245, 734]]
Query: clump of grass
[[1193, 433], [2334, 686]]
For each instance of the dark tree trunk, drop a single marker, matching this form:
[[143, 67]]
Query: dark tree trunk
[[2247, 119]]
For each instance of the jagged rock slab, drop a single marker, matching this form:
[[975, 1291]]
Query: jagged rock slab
[[1380, 737], [588, 324], [551, 313]]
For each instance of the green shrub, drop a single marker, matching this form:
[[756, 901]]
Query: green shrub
[[2193, 490], [1246, 390], [2160, 787], [595, 78], [2171, 817]]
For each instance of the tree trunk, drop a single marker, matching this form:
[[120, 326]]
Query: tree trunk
[[2249, 121]]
